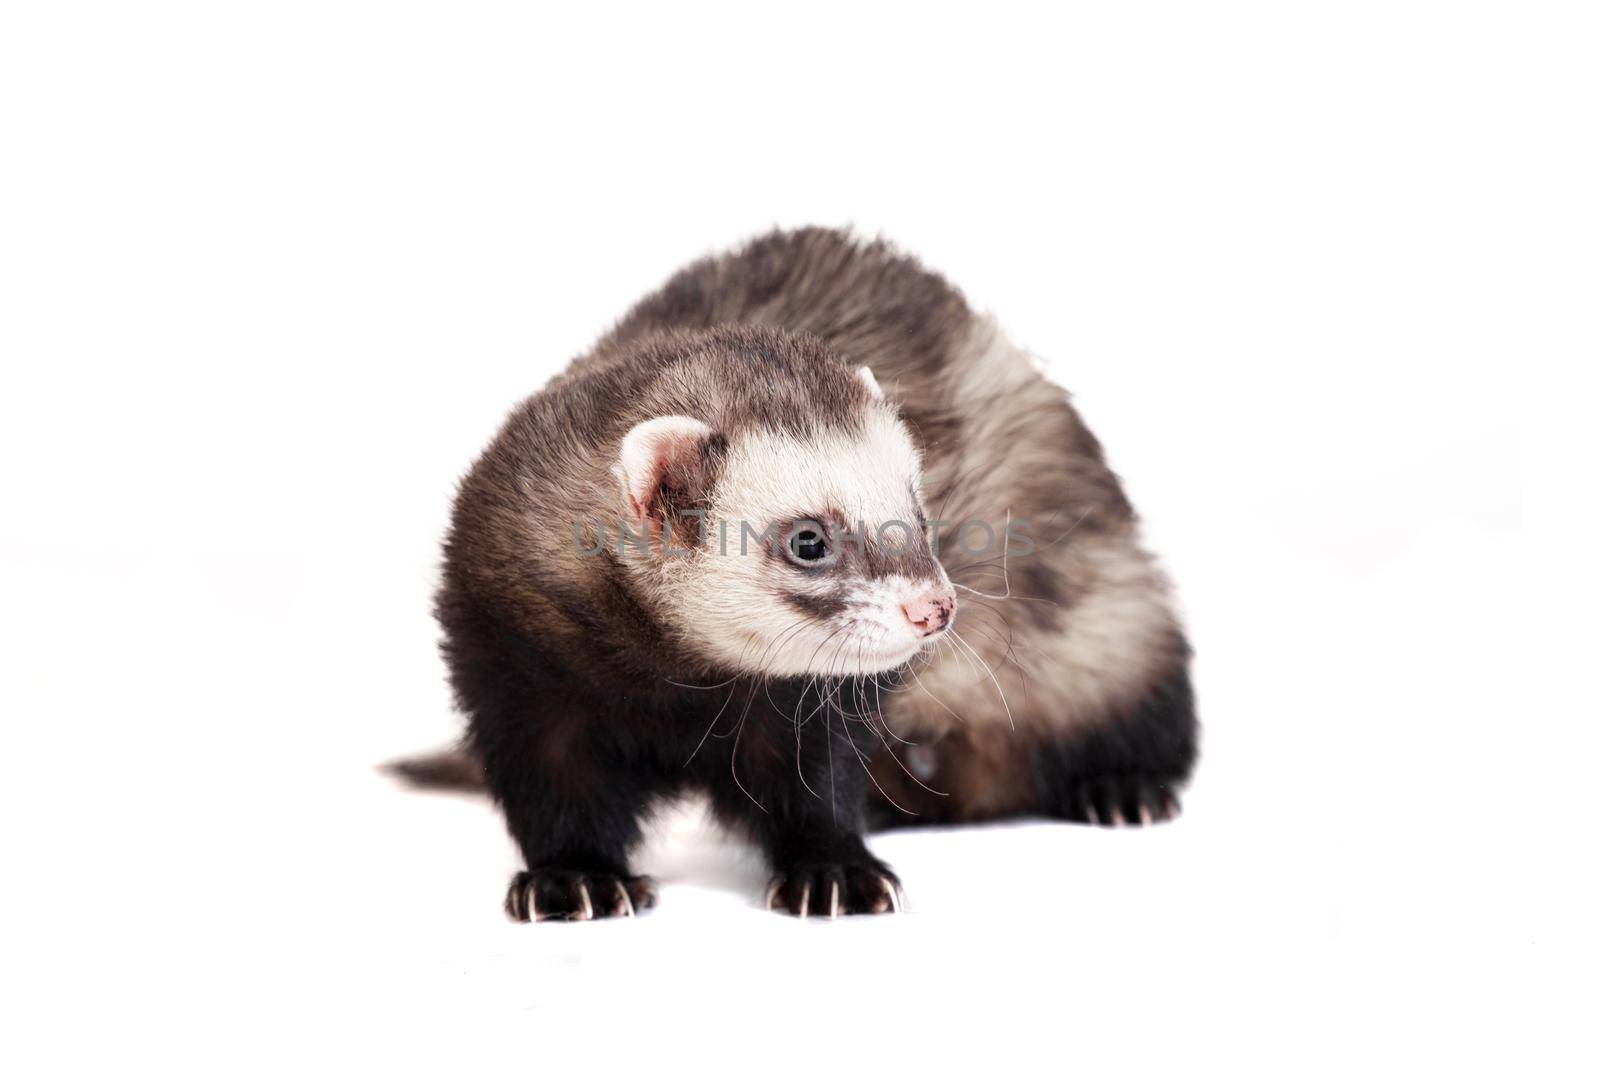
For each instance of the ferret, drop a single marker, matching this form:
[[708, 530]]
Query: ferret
[[806, 534]]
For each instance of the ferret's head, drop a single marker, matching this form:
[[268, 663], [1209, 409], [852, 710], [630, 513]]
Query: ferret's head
[[796, 538]]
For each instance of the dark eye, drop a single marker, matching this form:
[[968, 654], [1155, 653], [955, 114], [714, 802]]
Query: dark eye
[[808, 546]]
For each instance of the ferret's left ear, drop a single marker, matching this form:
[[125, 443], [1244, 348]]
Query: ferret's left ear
[[870, 380], [661, 456]]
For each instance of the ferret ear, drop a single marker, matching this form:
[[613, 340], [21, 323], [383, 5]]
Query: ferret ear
[[660, 454], [869, 380]]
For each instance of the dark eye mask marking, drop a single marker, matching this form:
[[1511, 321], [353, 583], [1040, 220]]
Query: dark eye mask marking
[[819, 605]]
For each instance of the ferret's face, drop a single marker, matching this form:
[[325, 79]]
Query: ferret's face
[[815, 560]]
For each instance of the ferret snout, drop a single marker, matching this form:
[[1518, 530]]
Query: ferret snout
[[930, 613]]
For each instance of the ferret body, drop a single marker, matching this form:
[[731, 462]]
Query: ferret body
[[805, 533]]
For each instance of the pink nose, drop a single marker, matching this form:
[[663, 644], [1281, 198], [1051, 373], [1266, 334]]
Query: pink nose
[[929, 614]]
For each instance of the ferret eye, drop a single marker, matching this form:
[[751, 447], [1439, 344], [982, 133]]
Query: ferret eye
[[807, 546]]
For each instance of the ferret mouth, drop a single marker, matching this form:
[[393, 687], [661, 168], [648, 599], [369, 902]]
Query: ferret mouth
[[887, 656], [852, 650], [880, 664]]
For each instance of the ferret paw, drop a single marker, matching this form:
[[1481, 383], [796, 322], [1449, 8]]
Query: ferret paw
[[834, 889], [548, 894], [1123, 800]]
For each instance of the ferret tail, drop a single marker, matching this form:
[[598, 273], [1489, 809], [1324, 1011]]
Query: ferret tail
[[451, 770]]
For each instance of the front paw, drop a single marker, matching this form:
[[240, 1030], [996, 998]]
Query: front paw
[[833, 889], [549, 894]]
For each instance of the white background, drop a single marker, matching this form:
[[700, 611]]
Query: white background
[[1322, 279]]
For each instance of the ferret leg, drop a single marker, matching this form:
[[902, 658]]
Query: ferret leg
[[806, 815], [1127, 769], [576, 856], [574, 818], [821, 869]]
